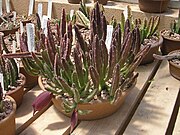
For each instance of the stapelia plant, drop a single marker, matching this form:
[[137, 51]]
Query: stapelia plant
[[175, 25], [8, 67], [82, 73]]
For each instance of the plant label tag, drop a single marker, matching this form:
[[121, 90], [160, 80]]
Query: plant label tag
[[40, 10], [31, 6], [8, 6], [14, 17], [44, 24], [71, 14], [49, 12], [2, 82], [30, 37], [18, 64], [17, 39], [109, 36], [13, 46], [21, 28], [1, 8]]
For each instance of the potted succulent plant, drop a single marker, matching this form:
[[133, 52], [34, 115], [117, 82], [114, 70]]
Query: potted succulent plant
[[148, 32], [171, 37], [7, 117], [153, 6], [13, 81], [174, 62], [85, 78], [7, 26]]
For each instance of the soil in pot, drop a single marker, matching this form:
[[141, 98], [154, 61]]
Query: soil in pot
[[174, 66], [155, 44], [17, 92], [99, 108], [153, 6], [7, 118], [171, 42]]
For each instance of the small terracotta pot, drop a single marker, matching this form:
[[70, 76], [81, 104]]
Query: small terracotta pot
[[99, 109], [7, 32], [31, 81], [153, 6], [74, 1], [18, 93], [174, 69], [7, 125], [104, 2], [154, 50], [169, 44]]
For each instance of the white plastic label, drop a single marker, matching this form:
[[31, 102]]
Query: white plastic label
[[1, 7], [21, 28], [49, 12], [17, 39], [8, 6], [40, 10], [31, 5], [71, 14], [14, 47], [44, 24], [2, 82], [109, 36], [30, 37], [14, 17]]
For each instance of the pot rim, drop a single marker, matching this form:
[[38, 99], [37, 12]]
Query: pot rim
[[13, 109], [167, 38], [19, 86]]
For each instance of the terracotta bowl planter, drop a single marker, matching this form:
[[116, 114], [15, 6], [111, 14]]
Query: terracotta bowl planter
[[153, 6], [174, 68], [104, 2], [74, 1], [7, 32], [154, 50], [31, 81], [99, 109], [7, 125], [169, 44], [18, 93]]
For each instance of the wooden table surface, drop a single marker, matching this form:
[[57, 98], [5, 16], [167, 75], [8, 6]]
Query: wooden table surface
[[147, 110]]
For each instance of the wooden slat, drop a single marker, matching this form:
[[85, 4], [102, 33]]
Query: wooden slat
[[154, 112], [111, 125], [177, 125]]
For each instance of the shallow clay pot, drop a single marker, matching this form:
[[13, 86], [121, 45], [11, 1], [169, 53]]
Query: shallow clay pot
[[98, 109], [31, 81], [18, 92], [153, 6], [104, 2], [169, 44], [154, 50], [74, 1], [174, 69], [7, 32], [7, 125]]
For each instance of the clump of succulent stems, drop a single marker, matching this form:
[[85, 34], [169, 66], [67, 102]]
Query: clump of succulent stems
[[8, 67], [175, 25], [81, 73]]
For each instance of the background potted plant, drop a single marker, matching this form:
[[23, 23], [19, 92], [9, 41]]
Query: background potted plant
[[153, 6], [13, 81], [171, 37], [7, 111], [174, 62]]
